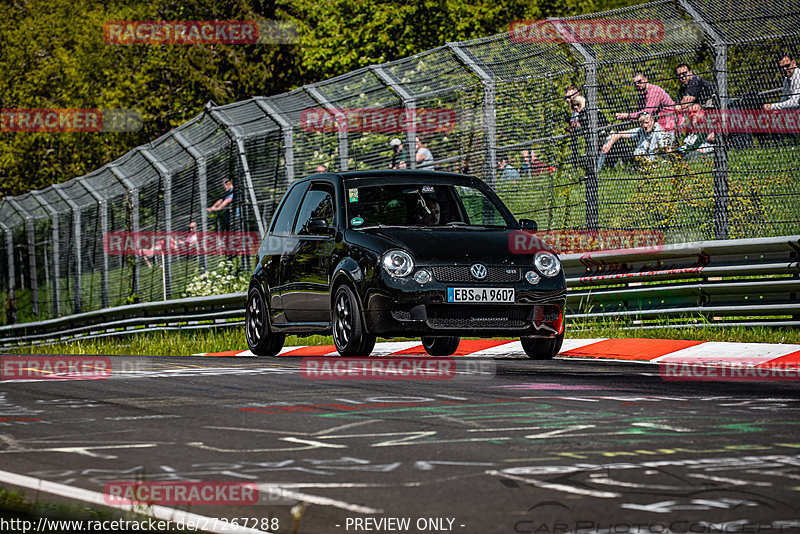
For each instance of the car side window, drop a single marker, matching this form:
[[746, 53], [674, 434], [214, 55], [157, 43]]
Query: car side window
[[318, 203], [285, 218], [479, 209]]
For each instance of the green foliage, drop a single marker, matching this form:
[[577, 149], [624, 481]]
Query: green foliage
[[226, 278], [55, 56]]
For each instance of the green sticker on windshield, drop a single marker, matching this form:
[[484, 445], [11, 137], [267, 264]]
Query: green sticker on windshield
[[356, 221], [353, 195]]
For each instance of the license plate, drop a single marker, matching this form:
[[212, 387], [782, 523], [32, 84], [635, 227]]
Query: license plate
[[480, 294]]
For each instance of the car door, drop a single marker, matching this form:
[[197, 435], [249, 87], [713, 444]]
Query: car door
[[280, 241], [306, 298]]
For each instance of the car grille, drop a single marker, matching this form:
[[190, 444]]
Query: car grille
[[458, 316], [460, 273]]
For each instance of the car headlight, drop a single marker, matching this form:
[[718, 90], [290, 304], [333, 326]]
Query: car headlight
[[547, 264], [397, 263]]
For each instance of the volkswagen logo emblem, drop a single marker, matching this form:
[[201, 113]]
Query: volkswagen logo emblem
[[478, 271]]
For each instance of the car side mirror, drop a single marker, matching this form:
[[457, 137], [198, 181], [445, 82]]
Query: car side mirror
[[528, 224], [319, 226]]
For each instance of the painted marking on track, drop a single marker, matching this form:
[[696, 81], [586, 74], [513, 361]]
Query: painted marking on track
[[551, 386], [322, 501], [557, 487], [155, 511], [314, 443], [85, 451], [734, 481], [558, 432], [661, 426]]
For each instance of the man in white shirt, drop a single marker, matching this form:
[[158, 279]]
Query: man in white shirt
[[790, 98], [650, 139]]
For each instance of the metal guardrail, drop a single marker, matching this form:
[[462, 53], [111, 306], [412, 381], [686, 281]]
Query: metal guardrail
[[727, 282], [190, 313], [752, 282]]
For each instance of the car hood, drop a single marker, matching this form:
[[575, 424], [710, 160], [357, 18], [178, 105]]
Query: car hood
[[449, 245]]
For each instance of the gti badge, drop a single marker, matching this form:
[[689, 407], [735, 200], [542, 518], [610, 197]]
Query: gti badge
[[478, 271]]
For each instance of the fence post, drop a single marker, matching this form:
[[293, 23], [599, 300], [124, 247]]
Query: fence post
[[323, 101], [166, 176], [592, 141], [721, 146], [489, 115], [220, 118], [288, 134], [12, 295], [31, 251], [103, 206], [720, 138], [202, 178], [56, 300], [409, 103], [76, 225], [133, 194]]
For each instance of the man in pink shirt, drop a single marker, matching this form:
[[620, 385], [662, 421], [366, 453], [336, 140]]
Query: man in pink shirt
[[652, 99]]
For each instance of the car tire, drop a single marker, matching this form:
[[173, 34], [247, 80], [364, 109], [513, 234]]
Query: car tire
[[440, 345], [349, 335], [538, 348], [261, 340]]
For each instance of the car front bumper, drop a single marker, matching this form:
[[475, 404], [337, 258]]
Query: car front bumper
[[406, 308]]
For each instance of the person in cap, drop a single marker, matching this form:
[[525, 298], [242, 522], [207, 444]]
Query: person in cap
[[398, 156]]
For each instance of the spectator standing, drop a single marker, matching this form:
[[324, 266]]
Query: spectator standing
[[509, 173], [694, 89], [652, 100], [526, 163], [398, 154], [424, 156], [570, 93], [790, 93], [223, 204], [650, 138], [581, 129]]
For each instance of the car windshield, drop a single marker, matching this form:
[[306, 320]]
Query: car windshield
[[417, 204]]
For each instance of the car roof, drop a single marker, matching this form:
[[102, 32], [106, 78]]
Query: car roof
[[382, 176]]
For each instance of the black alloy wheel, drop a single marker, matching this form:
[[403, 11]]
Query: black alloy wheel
[[348, 329], [260, 338]]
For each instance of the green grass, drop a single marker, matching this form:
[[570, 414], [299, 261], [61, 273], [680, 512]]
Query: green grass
[[186, 343], [17, 507], [674, 197]]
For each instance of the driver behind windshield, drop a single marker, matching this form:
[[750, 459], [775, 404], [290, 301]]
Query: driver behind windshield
[[429, 213]]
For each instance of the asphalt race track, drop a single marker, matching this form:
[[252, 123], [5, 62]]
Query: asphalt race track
[[512, 445]]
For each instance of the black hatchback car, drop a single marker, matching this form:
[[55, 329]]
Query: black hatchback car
[[401, 253]]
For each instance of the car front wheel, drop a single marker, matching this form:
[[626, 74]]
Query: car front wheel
[[348, 329], [261, 340], [542, 348], [440, 346]]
